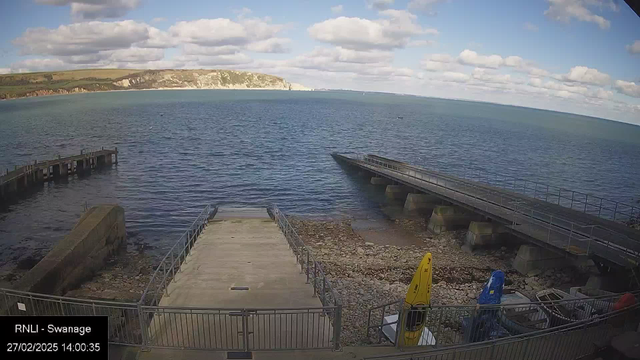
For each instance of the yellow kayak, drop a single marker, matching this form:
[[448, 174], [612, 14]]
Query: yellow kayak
[[418, 295]]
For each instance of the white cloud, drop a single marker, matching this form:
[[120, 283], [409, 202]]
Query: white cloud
[[455, 77], [5, 70], [82, 38], [439, 62], [529, 26], [221, 31], [337, 9], [486, 76], [470, 57], [209, 61], [424, 6], [95, 9], [394, 31], [272, 45], [38, 65], [158, 19], [192, 49], [585, 75], [565, 10], [627, 88], [634, 48], [379, 4], [421, 43], [136, 55]]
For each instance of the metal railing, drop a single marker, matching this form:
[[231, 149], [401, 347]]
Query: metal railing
[[576, 200], [314, 272], [241, 329], [170, 264], [124, 319], [548, 228], [566, 342], [308, 264], [461, 324]]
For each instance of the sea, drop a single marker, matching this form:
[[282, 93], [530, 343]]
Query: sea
[[180, 150]]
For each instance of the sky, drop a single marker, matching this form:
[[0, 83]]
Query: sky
[[577, 56]]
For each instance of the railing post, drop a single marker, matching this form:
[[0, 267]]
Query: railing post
[[399, 327], [245, 330], [143, 330], [307, 266], [600, 208], [570, 234], [615, 211], [337, 327], [586, 201], [315, 277]]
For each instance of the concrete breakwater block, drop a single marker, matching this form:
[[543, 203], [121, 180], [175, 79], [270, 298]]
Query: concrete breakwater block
[[396, 192], [531, 257], [98, 234], [381, 181], [420, 203], [484, 234], [447, 218]]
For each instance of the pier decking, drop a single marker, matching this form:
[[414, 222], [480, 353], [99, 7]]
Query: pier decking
[[551, 225], [22, 178]]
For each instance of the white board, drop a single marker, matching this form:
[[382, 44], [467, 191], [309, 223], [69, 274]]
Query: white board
[[389, 330]]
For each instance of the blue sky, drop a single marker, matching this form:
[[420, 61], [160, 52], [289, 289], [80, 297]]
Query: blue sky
[[580, 56]]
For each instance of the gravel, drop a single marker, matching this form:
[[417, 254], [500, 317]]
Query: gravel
[[365, 274]]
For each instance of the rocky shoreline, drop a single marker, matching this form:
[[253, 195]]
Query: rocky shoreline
[[365, 274]]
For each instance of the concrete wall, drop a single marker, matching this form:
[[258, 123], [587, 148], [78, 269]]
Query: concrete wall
[[447, 218], [99, 233]]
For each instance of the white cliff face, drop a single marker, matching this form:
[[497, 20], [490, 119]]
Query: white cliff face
[[205, 79]]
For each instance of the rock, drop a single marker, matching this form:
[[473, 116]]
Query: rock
[[528, 287], [360, 251], [534, 272], [369, 243]]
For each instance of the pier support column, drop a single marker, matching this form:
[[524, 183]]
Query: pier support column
[[531, 257], [108, 160], [420, 203], [39, 176], [56, 170], [381, 181], [447, 218], [396, 192], [64, 169], [484, 234]]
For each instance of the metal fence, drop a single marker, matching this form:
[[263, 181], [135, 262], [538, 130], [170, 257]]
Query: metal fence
[[461, 324], [567, 342], [170, 264], [534, 222], [241, 329], [124, 319]]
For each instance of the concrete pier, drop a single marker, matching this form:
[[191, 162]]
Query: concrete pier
[[484, 234], [531, 257], [420, 203], [397, 192], [447, 218], [24, 177], [381, 181]]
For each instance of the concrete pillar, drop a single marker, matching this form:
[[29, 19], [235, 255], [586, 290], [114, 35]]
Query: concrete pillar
[[396, 192], [420, 203], [447, 218], [108, 160], [531, 257], [484, 234], [64, 169], [116, 156], [374, 180], [80, 166], [39, 176], [13, 186], [56, 170]]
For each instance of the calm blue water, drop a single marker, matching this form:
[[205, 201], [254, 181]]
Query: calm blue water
[[180, 150]]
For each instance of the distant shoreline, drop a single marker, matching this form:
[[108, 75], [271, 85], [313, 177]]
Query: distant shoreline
[[167, 88]]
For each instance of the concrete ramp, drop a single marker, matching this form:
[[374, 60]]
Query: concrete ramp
[[241, 261]]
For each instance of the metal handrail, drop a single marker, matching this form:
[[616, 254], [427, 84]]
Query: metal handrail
[[308, 264], [171, 262], [558, 224]]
